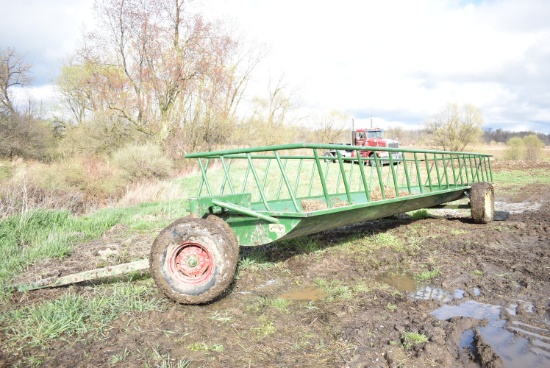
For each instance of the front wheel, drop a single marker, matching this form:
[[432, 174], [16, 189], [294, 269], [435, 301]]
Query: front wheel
[[193, 260]]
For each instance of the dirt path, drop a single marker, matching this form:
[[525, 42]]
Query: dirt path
[[479, 295]]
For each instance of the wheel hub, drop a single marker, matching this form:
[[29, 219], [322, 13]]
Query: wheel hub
[[191, 263]]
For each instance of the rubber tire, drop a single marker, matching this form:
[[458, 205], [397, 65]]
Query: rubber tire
[[234, 245], [209, 235], [371, 161], [327, 155], [482, 202]]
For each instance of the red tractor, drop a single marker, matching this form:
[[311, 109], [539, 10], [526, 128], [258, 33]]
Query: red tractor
[[370, 137]]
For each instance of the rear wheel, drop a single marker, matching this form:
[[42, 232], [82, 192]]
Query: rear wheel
[[482, 202], [193, 261]]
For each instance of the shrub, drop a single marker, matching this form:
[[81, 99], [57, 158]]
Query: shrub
[[78, 185], [142, 162], [529, 148], [24, 193], [533, 147], [515, 149], [25, 136]]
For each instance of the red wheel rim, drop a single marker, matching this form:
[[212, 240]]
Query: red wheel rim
[[191, 263]]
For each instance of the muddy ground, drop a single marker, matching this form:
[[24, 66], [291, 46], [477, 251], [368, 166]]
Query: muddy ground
[[349, 303]]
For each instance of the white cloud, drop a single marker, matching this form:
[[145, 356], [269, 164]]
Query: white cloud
[[402, 60], [398, 60]]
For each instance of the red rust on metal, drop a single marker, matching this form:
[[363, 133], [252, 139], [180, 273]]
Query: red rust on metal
[[191, 263]]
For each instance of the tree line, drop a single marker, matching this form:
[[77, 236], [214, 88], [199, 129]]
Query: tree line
[[153, 72], [158, 72], [503, 136]]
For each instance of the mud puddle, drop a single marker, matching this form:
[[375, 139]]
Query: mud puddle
[[398, 281], [416, 291], [502, 336], [516, 208], [515, 343]]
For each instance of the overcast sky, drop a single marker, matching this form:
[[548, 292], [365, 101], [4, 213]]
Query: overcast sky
[[397, 61]]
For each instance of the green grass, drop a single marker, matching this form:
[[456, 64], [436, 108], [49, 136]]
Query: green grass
[[427, 275], [262, 304], [254, 259], [267, 328], [420, 214], [221, 317], [169, 363], [334, 289], [5, 170], [47, 234], [201, 346], [121, 357], [72, 316], [522, 177], [44, 234], [409, 339], [305, 244], [457, 232]]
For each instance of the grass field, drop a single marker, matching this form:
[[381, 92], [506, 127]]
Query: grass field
[[46, 234]]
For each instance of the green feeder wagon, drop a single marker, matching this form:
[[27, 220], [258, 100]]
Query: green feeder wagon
[[255, 196]]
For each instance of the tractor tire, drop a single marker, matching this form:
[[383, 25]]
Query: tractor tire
[[371, 160], [329, 157], [482, 202], [193, 261]]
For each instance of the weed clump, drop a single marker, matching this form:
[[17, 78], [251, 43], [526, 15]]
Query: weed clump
[[410, 339]]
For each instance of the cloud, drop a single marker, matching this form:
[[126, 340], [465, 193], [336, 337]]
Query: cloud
[[46, 31], [399, 60]]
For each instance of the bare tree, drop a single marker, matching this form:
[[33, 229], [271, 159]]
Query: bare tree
[[268, 124], [22, 133], [331, 127], [14, 72], [455, 127], [165, 72]]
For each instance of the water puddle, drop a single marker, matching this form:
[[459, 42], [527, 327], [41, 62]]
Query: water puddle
[[518, 207], [430, 293], [399, 281], [309, 294], [407, 283], [518, 344], [261, 287]]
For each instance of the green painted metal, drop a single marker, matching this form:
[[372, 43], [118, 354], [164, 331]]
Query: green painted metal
[[300, 194], [243, 210]]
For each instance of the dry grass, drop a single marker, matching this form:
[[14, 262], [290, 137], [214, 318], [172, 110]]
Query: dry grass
[[499, 151], [151, 192], [310, 205], [376, 194]]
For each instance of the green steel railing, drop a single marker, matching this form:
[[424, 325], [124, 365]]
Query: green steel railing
[[280, 192], [285, 177]]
